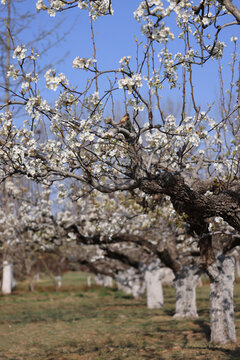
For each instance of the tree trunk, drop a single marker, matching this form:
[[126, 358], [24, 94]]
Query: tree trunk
[[131, 282], [154, 289], [7, 278], [185, 284], [89, 281], [58, 279], [138, 287], [104, 280], [49, 273], [167, 276], [31, 277], [221, 275], [153, 279], [31, 283], [237, 268]]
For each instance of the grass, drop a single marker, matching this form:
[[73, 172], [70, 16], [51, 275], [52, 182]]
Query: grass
[[78, 323]]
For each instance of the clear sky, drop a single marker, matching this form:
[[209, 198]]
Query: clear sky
[[114, 39]]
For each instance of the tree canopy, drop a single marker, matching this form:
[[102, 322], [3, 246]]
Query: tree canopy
[[192, 155]]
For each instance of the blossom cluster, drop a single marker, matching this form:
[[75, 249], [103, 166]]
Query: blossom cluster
[[96, 8], [13, 72], [20, 52], [35, 106], [130, 82], [83, 63], [162, 34], [53, 80], [76, 116]]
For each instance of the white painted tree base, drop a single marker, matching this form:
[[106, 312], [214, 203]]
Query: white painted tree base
[[104, 280], [7, 278], [153, 281], [131, 282], [185, 285], [221, 275], [58, 279]]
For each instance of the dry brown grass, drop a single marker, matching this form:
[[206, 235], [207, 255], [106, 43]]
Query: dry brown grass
[[78, 323]]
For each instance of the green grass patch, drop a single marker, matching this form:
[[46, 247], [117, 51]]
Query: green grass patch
[[81, 323]]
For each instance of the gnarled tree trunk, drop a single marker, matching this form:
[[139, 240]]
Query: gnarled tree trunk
[[221, 275], [185, 284]]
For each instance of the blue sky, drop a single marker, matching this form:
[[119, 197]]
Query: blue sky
[[114, 39]]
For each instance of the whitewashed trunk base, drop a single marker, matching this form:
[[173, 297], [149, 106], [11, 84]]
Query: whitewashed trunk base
[[222, 325], [58, 279], [7, 278], [154, 289], [185, 285], [237, 268], [104, 280], [89, 281], [167, 276], [131, 282]]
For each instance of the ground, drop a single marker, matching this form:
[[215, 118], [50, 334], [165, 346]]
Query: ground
[[81, 323]]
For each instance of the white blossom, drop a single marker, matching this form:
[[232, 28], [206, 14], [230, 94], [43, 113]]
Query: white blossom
[[82, 4], [83, 63], [13, 72], [53, 80], [130, 82], [19, 52], [125, 60], [40, 5]]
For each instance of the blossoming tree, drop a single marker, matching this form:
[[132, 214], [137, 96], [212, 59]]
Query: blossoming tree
[[192, 157]]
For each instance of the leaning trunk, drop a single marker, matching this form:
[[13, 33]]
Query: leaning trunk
[[185, 284], [7, 278], [221, 275]]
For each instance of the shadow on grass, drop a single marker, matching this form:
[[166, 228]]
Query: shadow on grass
[[233, 354], [204, 327], [169, 312], [111, 351]]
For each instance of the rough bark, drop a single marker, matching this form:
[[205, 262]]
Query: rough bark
[[185, 284], [234, 10], [221, 275], [192, 200], [189, 196]]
